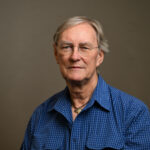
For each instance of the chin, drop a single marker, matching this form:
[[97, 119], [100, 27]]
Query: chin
[[75, 78]]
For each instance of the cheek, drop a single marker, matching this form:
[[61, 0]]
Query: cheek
[[62, 61], [93, 61]]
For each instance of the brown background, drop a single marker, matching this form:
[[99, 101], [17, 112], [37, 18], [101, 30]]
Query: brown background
[[28, 72]]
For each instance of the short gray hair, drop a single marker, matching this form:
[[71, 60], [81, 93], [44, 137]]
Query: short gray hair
[[102, 42]]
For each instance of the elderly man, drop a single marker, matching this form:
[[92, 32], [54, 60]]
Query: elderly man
[[88, 113]]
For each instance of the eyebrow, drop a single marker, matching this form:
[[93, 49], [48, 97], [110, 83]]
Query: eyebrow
[[85, 44], [70, 43]]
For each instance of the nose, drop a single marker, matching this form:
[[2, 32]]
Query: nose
[[75, 56]]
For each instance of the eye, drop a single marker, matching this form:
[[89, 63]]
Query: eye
[[84, 48], [66, 47]]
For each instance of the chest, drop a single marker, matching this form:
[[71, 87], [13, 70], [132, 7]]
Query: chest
[[90, 130]]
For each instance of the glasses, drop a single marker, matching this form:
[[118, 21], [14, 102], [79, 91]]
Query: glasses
[[67, 49]]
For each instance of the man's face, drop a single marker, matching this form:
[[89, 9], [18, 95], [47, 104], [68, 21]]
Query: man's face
[[75, 65]]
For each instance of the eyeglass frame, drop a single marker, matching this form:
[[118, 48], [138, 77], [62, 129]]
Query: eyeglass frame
[[68, 47]]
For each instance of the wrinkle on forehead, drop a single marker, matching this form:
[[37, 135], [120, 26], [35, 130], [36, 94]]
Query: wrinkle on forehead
[[81, 33]]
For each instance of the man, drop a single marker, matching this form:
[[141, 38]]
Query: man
[[88, 113]]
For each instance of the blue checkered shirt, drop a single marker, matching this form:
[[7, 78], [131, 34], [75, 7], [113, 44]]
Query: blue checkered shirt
[[111, 120]]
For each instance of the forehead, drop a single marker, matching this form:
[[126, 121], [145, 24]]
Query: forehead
[[83, 32]]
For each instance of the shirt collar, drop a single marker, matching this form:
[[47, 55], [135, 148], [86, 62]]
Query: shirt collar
[[61, 101], [101, 94]]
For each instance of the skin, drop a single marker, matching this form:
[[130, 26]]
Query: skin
[[79, 71]]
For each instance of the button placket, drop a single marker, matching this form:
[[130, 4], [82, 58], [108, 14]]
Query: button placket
[[74, 136]]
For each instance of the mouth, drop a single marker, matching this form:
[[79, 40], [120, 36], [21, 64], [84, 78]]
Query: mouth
[[75, 67]]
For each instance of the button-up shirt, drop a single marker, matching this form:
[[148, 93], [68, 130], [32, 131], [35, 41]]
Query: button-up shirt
[[112, 119]]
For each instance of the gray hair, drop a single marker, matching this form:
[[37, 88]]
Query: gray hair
[[102, 42]]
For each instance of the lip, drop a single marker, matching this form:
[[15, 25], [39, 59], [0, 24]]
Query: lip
[[75, 67]]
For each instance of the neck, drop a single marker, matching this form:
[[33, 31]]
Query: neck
[[81, 92]]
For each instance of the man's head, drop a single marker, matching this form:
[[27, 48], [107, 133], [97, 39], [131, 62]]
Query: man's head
[[102, 42], [79, 49]]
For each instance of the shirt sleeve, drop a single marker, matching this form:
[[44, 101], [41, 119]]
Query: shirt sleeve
[[138, 129]]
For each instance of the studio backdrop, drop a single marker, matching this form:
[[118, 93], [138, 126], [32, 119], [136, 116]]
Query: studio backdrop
[[29, 74]]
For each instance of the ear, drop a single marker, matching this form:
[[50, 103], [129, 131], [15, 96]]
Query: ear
[[55, 53], [100, 57]]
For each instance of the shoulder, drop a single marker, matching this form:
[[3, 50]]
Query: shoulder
[[40, 115], [134, 116], [120, 98], [41, 110], [126, 99], [127, 105]]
